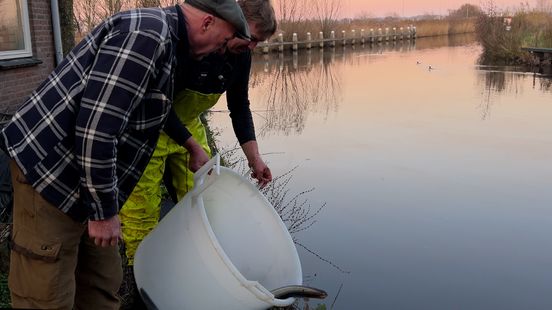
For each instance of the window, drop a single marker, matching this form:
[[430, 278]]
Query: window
[[15, 34]]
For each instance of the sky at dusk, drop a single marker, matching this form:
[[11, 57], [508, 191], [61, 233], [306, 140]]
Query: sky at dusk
[[355, 8]]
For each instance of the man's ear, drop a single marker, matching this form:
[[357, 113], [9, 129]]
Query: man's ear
[[207, 22]]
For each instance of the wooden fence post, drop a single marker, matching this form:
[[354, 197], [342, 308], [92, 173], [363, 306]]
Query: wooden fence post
[[281, 40], [371, 35], [309, 40], [294, 40]]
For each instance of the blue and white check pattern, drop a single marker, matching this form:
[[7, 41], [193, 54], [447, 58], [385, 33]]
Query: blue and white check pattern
[[86, 134]]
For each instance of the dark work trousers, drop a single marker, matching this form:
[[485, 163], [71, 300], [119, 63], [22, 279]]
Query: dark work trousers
[[54, 264]]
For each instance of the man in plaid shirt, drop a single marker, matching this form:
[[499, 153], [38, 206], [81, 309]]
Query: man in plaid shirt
[[81, 141]]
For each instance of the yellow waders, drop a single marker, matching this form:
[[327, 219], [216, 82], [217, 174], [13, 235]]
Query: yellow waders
[[140, 214]]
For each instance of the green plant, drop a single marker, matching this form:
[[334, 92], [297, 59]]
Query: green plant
[[502, 44], [4, 291]]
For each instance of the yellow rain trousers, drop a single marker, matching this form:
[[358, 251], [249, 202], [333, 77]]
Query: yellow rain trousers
[[140, 214]]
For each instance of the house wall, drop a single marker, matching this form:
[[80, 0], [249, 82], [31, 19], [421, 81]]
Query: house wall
[[16, 84]]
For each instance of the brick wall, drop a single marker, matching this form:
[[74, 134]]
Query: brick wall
[[17, 84]]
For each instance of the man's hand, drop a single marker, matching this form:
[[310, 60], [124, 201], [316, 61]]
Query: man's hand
[[261, 172], [105, 232], [197, 160], [198, 156]]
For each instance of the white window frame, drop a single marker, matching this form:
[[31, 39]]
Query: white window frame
[[28, 50]]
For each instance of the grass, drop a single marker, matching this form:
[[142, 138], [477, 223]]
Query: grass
[[4, 266], [502, 46], [4, 291]]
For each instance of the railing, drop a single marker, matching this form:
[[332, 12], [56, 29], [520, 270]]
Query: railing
[[347, 38]]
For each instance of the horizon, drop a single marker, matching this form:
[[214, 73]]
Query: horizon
[[403, 8]]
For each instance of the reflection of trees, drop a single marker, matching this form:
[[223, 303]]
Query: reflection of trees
[[542, 77], [293, 85], [495, 81], [545, 83]]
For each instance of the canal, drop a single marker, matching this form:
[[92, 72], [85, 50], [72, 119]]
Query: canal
[[431, 174]]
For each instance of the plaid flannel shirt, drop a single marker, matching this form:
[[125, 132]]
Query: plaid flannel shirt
[[84, 137]]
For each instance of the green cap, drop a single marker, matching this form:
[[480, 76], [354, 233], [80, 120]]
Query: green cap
[[229, 10]]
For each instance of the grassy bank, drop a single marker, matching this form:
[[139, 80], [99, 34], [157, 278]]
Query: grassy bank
[[502, 45], [4, 266]]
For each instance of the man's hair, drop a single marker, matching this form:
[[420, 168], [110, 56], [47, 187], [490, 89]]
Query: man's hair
[[261, 13]]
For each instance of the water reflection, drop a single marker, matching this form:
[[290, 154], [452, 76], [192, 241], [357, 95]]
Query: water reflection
[[545, 84], [512, 79], [509, 81], [291, 85], [294, 84], [428, 197], [305, 82]]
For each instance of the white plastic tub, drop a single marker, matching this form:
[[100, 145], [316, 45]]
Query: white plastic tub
[[222, 247]]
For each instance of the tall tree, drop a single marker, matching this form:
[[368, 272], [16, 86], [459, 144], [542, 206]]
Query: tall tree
[[544, 6], [67, 25], [147, 3], [326, 12], [466, 11], [86, 16], [290, 11]]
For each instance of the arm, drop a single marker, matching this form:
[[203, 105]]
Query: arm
[[115, 86], [237, 97], [242, 120], [181, 135]]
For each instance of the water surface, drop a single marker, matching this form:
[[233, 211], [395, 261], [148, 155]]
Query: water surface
[[437, 182]]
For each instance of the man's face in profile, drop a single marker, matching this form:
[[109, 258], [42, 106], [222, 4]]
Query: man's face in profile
[[238, 45]]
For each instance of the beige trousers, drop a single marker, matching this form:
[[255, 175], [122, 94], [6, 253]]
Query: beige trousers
[[53, 262]]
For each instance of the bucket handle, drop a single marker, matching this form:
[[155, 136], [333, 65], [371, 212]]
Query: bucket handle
[[259, 291], [199, 176], [265, 295]]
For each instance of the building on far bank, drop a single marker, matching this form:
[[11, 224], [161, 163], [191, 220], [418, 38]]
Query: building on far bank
[[27, 49]]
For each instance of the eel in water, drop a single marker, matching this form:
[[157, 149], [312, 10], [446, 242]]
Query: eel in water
[[298, 291]]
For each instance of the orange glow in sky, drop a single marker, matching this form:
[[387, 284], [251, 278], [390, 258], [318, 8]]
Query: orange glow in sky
[[379, 8]]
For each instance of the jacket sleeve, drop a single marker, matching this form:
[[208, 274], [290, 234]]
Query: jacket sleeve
[[175, 129], [116, 84], [238, 100]]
